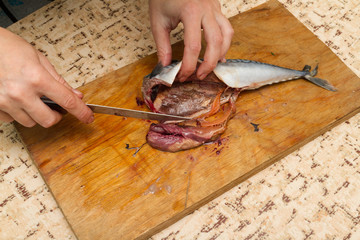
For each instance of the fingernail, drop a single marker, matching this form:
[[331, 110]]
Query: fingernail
[[202, 76], [91, 119], [77, 92], [182, 79], [223, 60]]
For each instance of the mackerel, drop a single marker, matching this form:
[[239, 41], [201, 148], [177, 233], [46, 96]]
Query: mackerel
[[246, 74]]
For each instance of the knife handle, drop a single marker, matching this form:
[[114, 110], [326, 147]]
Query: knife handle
[[53, 105]]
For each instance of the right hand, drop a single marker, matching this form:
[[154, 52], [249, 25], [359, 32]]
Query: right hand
[[165, 15], [25, 76]]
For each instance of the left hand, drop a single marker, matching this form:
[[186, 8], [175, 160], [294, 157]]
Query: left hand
[[165, 15]]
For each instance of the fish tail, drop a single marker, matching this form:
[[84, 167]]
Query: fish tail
[[310, 76], [314, 72]]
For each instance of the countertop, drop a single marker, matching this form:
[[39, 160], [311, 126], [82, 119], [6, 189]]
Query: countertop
[[313, 193]]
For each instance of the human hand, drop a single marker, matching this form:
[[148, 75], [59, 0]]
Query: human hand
[[25, 76], [165, 15]]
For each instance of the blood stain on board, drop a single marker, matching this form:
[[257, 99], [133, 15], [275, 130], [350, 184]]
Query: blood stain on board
[[191, 158], [220, 145]]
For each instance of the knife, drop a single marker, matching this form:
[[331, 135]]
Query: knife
[[118, 111]]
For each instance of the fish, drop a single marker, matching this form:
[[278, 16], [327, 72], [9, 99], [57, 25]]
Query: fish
[[247, 74], [210, 102]]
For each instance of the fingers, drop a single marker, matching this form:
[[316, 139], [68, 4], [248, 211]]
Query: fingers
[[65, 97], [160, 29], [192, 42], [218, 34], [41, 113], [194, 14], [50, 68], [214, 39], [227, 34], [23, 104], [4, 117], [11, 105], [27, 109], [162, 41], [21, 117]]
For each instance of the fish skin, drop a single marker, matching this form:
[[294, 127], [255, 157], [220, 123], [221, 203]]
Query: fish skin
[[246, 74]]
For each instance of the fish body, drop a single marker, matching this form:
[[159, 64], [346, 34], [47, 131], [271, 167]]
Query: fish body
[[211, 101], [246, 74]]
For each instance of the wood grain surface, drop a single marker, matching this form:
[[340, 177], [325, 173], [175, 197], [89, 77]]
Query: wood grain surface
[[108, 188]]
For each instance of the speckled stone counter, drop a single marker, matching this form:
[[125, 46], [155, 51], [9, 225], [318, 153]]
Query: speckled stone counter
[[314, 193]]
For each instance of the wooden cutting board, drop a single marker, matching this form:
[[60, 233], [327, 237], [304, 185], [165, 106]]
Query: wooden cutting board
[[108, 189]]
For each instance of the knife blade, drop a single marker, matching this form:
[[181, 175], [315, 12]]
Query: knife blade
[[118, 111]]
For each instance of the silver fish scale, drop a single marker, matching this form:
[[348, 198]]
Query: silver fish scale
[[256, 62], [240, 73]]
